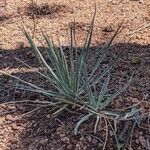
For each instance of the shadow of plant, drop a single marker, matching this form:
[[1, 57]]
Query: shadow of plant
[[39, 131]]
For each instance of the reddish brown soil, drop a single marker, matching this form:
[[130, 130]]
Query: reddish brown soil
[[37, 131]]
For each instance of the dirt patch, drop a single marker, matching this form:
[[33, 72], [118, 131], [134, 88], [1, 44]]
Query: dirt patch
[[36, 131], [4, 18], [45, 10]]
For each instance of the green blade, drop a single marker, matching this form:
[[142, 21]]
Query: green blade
[[94, 81], [103, 92], [38, 54], [104, 51], [83, 119], [89, 35], [109, 100]]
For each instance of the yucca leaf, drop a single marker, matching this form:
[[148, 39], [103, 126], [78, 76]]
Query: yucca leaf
[[38, 54], [103, 53], [64, 67], [98, 119], [73, 64], [103, 92], [71, 49], [83, 119], [89, 35], [60, 63], [44, 92], [88, 88], [137, 116], [54, 57], [111, 114], [131, 113], [35, 87], [95, 96], [124, 136], [79, 72], [51, 53], [59, 110], [93, 81], [74, 38], [113, 96], [43, 75]]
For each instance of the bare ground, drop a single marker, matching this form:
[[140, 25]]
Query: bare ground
[[37, 131]]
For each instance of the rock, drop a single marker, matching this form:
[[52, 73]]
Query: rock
[[62, 135], [146, 60], [135, 60], [142, 141], [94, 141], [14, 127], [48, 116], [137, 141], [89, 138], [69, 146], [140, 133], [130, 148], [31, 147], [65, 139], [139, 148], [9, 118], [44, 141]]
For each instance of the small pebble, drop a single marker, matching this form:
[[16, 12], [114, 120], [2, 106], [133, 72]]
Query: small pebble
[[130, 148], [94, 141], [1, 56], [44, 141], [135, 60], [142, 141]]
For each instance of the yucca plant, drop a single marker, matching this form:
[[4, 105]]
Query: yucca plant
[[73, 84]]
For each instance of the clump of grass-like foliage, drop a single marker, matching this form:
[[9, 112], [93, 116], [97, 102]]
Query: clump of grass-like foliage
[[74, 84]]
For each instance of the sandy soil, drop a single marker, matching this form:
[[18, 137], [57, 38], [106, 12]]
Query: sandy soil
[[36, 131]]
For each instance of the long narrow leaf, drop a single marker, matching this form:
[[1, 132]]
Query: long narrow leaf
[[89, 34], [103, 92], [39, 55], [93, 81], [106, 103], [103, 52], [83, 119]]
